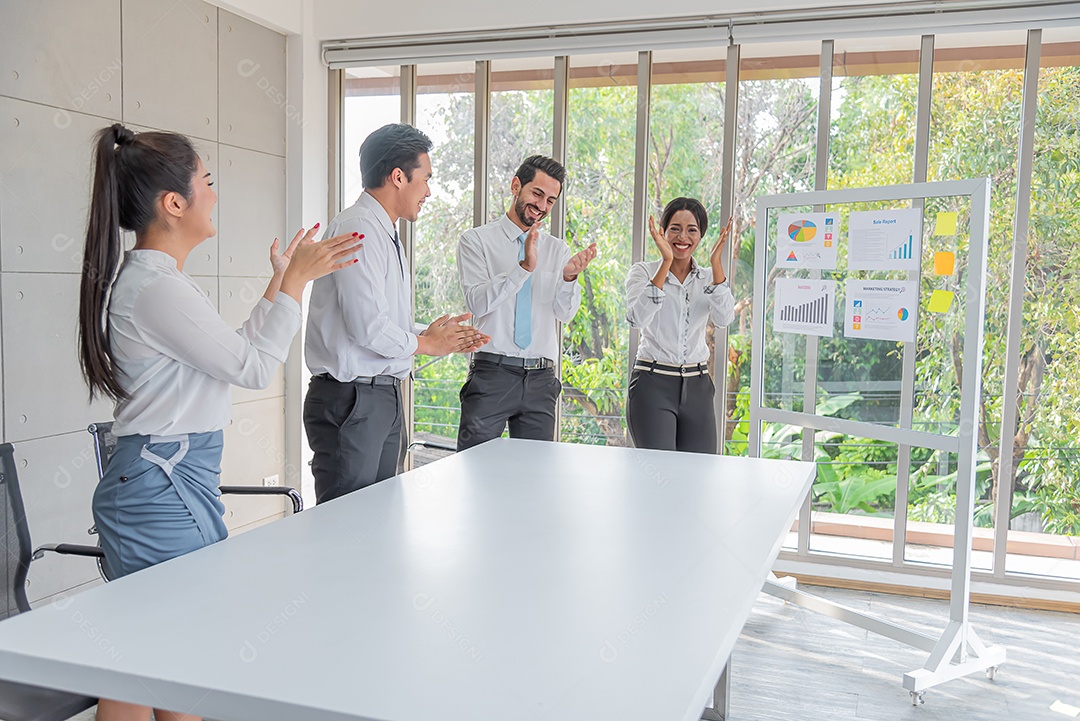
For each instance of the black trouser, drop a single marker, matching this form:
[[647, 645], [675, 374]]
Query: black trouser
[[354, 430], [671, 413], [496, 395]]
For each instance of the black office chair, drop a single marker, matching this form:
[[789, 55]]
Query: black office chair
[[20, 702], [105, 444]]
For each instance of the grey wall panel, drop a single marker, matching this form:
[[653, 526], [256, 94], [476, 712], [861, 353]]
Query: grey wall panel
[[170, 65], [238, 297], [254, 449], [44, 393], [252, 213], [61, 53], [203, 260], [45, 169], [58, 478], [252, 98]]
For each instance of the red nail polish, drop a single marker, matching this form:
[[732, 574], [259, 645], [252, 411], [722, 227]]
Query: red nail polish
[[355, 260], [316, 226]]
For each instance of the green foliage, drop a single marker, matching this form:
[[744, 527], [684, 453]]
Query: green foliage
[[974, 133]]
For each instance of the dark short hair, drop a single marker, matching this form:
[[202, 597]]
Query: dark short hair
[[691, 204], [527, 170], [396, 145]]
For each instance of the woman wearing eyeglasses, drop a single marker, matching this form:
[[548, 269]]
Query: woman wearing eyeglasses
[[670, 403]]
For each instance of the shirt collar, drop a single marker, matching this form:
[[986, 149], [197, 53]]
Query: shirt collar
[[696, 271], [153, 257], [368, 202], [513, 232]]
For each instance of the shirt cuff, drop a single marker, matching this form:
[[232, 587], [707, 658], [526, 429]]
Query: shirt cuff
[[710, 289], [657, 295], [411, 344], [519, 275], [283, 299]]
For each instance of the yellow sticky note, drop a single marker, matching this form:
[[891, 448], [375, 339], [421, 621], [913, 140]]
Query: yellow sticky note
[[940, 301], [945, 224], [944, 262]]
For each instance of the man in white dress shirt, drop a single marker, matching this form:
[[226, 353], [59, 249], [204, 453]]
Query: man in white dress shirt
[[361, 337], [519, 283]]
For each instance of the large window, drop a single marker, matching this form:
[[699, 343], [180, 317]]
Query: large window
[[972, 130], [602, 124], [445, 110], [1045, 524]]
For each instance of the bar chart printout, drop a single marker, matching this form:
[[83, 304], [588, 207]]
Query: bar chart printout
[[885, 239], [804, 306]]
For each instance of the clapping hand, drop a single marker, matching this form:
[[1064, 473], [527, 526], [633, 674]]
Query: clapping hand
[[717, 255], [667, 253], [578, 263]]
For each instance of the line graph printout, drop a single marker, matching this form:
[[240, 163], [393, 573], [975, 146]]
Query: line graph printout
[[807, 240], [881, 309], [804, 306], [885, 239]]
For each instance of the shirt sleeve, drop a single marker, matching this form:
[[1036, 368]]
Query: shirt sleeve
[[254, 323], [721, 303], [643, 299], [361, 291], [178, 321], [484, 292], [568, 294]]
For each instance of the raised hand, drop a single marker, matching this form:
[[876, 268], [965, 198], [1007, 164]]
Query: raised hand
[[309, 260], [578, 263], [446, 335], [717, 255], [667, 254], [531, 253]]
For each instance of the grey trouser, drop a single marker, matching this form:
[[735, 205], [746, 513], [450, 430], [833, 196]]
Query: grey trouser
[[494, 396], [354, 430], [670, 413]]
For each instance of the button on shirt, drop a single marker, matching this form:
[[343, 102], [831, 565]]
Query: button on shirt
[[491, 278], [360, 318], [176, 357], [672, 321]]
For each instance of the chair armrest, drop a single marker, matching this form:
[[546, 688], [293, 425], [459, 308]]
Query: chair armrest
[[69, 549], [292, 493], [433, 446]]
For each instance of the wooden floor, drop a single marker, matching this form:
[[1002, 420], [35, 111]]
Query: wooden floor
[[791, 663]]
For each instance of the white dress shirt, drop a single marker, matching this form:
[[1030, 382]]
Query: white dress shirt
[[672, 321], [176, 357], [491, 278], [360, 318]]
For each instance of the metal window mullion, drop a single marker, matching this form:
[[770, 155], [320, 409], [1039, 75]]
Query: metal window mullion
[[727, 209], [559, 148], [641, 176], [907, 379], [482, 104], [407, 234], [821, 182], [1017, 284]]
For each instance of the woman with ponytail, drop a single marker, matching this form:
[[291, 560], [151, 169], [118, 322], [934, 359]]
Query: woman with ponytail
[[151, 340]]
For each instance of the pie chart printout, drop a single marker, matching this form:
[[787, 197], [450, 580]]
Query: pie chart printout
[[802, 231]]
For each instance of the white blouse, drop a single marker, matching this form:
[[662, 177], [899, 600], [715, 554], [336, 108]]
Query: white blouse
[[672, 321], [176, 357]]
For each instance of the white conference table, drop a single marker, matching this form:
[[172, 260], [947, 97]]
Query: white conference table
[[515, 580]]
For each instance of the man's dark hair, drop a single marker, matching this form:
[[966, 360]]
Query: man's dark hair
[[694, 206], [396, 145], [533, 163]]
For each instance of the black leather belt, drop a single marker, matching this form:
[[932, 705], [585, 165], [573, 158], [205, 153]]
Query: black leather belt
[[687, 371], [529, 364], [381, 380]]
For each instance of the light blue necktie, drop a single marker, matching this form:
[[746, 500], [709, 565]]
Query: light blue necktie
[[523, 307]]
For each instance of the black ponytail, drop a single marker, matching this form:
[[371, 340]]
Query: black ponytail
[[130, 173]]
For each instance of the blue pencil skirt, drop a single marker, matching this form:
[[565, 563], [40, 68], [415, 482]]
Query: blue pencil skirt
[[159, 499]]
